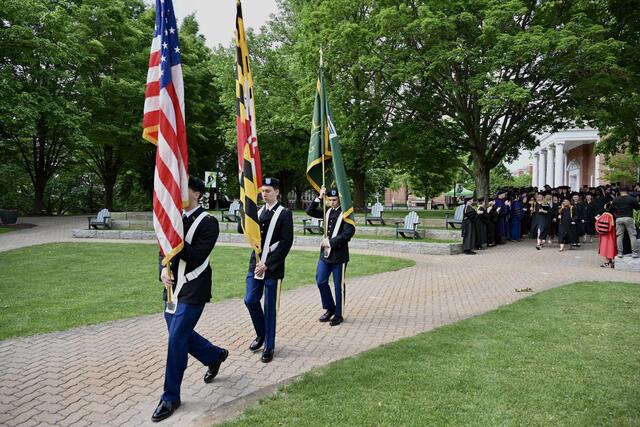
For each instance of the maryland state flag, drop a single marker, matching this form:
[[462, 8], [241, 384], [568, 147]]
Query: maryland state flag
[[324, 148], [249, 168]]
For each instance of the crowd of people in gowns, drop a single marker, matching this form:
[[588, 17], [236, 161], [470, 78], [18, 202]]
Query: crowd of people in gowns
[[551, 216]]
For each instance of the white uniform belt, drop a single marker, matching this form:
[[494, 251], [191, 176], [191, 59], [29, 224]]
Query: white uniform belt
[[182, 265]]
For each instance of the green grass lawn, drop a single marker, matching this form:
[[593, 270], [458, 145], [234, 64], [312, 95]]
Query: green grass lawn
[[54, 287], [6, 229], [568, 356]]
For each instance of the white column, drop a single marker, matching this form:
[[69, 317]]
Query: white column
[[542, 168], [550, 151], [597, 173], [565, 175], [534, 172], [559, 175]]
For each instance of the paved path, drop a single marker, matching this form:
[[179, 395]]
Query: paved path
[[47, 229], [111, 374]]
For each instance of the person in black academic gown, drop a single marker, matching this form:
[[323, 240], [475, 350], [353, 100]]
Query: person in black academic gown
[[578, 206], [590, 217], [567, 222], [481, 225], [491, 221], [469, 227], [540, 227]]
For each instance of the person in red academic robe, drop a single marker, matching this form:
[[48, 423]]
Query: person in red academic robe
[[606, 229]]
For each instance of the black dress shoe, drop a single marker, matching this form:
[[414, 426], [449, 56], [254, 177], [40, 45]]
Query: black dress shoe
[[215, 367], [469, 252], [326, 316], [267, 356], [336, 320], [164, 410], [256, 344]]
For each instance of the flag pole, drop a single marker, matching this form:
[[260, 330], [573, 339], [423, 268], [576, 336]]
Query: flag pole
[[324, 198]]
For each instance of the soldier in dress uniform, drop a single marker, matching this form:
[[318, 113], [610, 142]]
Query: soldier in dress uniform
[[266, 274], [189, 267], [334, 255]]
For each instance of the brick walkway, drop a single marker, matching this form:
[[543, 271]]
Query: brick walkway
[[111, 374]]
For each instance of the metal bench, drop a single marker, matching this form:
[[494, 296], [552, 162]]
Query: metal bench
[[102, 219], [375, 215], [233, 213], [409, 225], [314, 226], [457, 218]]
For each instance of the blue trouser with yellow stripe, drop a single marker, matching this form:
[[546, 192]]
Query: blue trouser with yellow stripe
[[322, 279], [264, 322], [183, 340]]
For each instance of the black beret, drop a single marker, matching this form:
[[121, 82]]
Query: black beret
[[333, 192]]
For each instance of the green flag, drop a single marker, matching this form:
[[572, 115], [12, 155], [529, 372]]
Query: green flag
[[325, 145]]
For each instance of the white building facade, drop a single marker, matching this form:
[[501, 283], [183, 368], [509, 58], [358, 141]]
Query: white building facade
[[567, 158]]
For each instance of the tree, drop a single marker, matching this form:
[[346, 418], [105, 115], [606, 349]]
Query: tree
[[203, 109], [623, 168], [40, 119], [428, 158], [116, 38], [612, 102], [282, 119], [491, 74], [362, 101]]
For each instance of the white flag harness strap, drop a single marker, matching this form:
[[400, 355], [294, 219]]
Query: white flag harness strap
[[272, 227], [182, 265], [327, 251]]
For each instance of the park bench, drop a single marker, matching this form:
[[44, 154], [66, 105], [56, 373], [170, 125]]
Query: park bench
[[314, 226], [375, 215], [102, 219], [409, 225], [457, 217], [233, 213]]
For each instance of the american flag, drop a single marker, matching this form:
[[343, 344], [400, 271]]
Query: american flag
[[164, 126]]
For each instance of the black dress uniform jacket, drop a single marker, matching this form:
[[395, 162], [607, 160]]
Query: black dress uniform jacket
[[339, 244], [282, 233], [197, 291]]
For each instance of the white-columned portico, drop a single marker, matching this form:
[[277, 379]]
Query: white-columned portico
[[542, 168], [566, 158], [534, 170], [549, 174], [559, 168]]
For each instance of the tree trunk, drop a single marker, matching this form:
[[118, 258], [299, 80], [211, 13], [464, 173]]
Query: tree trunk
[[299, 191], [427, 197], [481, 175], [359, 195], [108, 194], [39, 187]]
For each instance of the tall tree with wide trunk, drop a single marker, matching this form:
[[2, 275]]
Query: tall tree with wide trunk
[[115, 37], [40, 61], [363, 100], [491, 74]]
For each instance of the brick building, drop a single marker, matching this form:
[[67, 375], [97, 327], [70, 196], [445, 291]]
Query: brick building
[[567, 158]]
